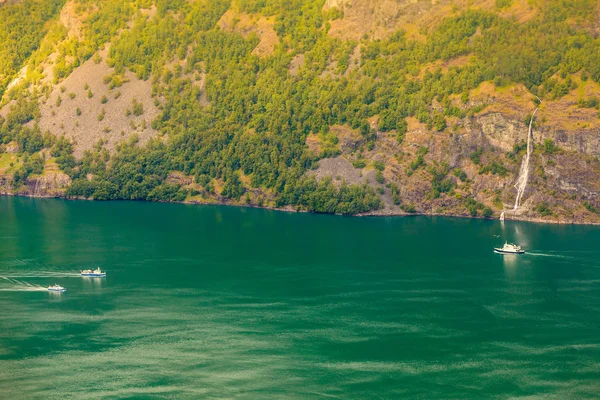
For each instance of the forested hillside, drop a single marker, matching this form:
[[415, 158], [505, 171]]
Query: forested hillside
[[339, 106]]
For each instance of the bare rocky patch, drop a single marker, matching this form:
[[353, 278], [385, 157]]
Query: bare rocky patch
[[6, 108], [71, 20], [296, 64], [201, 83], [381, 18], [84, 108], [521, 10], [339, 169], [354, 61], [378, 19], [247, 24]]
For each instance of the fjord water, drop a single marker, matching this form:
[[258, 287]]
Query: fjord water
[[223, 302]]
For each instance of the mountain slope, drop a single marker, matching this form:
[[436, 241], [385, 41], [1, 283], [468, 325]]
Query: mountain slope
[[385, 107]]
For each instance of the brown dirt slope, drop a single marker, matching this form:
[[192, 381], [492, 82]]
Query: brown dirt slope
[[246, 25], [379, 18], [96, 120]]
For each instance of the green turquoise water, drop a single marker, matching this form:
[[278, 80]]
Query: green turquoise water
[[218, 302]]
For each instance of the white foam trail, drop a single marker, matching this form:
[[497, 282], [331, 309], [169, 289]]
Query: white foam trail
[[43, 275], [547, 255], [32, 288], [559, 256]]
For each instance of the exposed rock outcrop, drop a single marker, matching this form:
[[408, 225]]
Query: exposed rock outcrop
[[50, 184]]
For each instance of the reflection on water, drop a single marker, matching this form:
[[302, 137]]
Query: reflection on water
[[55, 297], [93, 282], [510, 262]]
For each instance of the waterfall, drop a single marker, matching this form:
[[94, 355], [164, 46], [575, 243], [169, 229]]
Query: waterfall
[[502, 216], [37, 181], [521, 183]]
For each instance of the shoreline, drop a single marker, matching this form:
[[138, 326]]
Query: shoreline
[[294, 210], [521, 219]]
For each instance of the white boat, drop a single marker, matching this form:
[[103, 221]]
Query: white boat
[[56, 288], [97, 273], [509, 248]]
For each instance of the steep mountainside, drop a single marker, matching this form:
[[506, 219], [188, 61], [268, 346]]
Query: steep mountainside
[[480, 108]]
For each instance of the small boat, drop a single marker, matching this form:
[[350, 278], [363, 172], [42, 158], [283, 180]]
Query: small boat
[[97, 273], [509, 248], [56, 288]]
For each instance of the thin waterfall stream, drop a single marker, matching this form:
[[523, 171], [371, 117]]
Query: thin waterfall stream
[[523, 178], [521, 183]]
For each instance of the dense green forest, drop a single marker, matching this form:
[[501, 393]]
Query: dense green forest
[[260, 114], [22, 27]]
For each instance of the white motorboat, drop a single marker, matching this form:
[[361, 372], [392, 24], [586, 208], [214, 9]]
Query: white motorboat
[[96, 273], [56, 288], [509, 248]]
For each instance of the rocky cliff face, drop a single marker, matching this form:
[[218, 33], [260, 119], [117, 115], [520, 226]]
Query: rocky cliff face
[[480, 157], [51, 184], [504, 132]]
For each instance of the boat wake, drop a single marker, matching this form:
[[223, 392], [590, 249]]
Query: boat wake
[[549, 255], [15, 285], [42, 274], [20, 286], [24, 289], [561, 257]]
